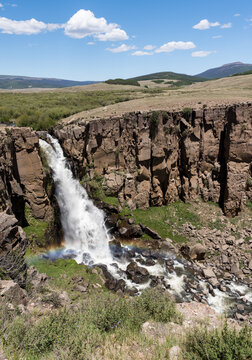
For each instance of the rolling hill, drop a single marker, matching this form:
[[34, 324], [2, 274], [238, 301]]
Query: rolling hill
[[225, 70], [24, 82], [181, 79]]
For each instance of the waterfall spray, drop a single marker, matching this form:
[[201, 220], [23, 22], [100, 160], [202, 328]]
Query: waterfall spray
[[82, 222], [88, 240]]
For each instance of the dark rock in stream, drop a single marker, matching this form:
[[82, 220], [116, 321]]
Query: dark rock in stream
[[147, 262], [131, 254], [87, 260], [137, 273], [111, 223], [112, 283]]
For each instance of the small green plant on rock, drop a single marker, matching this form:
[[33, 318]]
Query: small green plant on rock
[[154, 118], [187, 112]]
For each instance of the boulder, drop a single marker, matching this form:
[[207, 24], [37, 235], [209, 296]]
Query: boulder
[[208, 273], [197, 252], [130, 231], [250, 265], [194, 252], [11, 292], [137, 273], [153, 234], [111, 283], [35, 278], [235, 268]]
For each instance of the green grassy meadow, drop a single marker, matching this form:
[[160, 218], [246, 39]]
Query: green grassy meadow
[[44, 109]]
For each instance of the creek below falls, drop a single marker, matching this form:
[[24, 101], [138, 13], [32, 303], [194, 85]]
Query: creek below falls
[[128, 268]]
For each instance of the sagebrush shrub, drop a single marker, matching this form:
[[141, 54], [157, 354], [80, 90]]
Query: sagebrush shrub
[[223, 344]]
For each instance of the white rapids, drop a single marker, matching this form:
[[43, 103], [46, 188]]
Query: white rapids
[[87, 239], [82, 222]]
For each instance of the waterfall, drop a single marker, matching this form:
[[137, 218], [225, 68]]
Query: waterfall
[[82, 222], [87, 241]]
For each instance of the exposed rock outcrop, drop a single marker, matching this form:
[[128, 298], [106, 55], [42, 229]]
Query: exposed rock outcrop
[[21, 174], [156, 158], [12, 249], [11, 291]]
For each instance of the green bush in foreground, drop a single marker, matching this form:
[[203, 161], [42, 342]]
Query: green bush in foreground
[[104, 318], [75, 334], [224, 344]]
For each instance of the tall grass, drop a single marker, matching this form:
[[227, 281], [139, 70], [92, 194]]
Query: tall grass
[[43, 110]]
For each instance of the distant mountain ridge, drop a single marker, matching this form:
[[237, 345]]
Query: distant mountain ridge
[[25, 82], [225, 70]]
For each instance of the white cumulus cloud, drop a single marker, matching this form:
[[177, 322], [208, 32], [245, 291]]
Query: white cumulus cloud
[[84, 23], [113, 35], [205, 24], [217, 37], [237, 15], [26, 27], [226, 26], [149, 47], [122, 48], [52, 27], [202, 53], [142, 53], [176, 45], [1, 5]]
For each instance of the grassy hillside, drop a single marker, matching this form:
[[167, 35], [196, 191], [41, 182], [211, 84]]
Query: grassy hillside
[[224, 91], [43, 110], [181, 79], [23, 82]]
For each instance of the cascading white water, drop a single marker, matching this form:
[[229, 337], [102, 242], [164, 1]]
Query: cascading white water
[[86, 235], [82, 222]]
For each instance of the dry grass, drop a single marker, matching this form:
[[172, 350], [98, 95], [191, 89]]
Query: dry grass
[[210, 93]]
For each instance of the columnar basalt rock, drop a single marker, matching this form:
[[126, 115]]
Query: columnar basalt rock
[[13, 245], [21, 174], [156, 158]]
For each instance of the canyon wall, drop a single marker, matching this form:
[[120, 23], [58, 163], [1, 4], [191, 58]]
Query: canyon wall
[[144, 159], [22, 184], [22, 180], [159, 157]]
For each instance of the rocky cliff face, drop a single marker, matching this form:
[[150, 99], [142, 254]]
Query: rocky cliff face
[[13, 245], [21, 174], [156, 158], [22, 183]]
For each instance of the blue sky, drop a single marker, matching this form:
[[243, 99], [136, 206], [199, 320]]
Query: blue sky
[[101, 39]]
